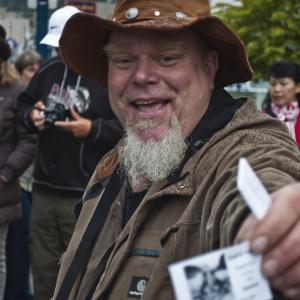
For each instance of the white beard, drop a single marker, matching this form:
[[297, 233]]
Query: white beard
[[144, 162]]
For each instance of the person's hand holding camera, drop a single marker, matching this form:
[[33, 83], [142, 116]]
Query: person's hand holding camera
[[79, 126], [37, 115]]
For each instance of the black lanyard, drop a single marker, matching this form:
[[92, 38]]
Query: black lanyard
[[92, 231]]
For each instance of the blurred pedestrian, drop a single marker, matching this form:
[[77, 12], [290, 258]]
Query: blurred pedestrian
[[76, 128], [17, 148], [283, 98], [27, 64], [18, 260]]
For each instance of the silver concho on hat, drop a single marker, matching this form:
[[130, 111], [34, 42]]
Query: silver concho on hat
[[131, 13], [180, 14]]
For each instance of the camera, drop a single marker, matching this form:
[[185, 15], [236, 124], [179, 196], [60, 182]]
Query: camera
[[55, 112]]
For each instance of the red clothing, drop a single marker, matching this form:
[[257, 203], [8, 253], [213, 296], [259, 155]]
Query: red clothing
[[297, 131]]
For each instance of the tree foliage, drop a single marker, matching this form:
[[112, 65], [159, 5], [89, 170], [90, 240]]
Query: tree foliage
[[270, 30]]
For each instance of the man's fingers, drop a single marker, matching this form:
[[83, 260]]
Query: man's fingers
[[38, 119], [75, 115], [67, 125], [37, 115], [246, 229], [279, 220], [292, 293], [70, 126], [39, 123], [79, 128], [284, 255], [287, 279], [39, 105]]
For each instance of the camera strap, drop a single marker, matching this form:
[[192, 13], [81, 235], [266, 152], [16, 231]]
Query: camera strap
[[63, 83]]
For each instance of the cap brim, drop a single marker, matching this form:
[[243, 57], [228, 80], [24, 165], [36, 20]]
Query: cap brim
[[84, 36], [51, 40]]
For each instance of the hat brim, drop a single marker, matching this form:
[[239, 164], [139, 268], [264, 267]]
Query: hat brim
[[84, 35], [51, 40]]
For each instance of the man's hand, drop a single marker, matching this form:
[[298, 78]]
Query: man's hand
[[37, 115], [277, 238], [79, 127]]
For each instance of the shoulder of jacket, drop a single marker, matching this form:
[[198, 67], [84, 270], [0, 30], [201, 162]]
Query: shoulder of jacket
[[14, 90], [107, 164], [20, 86], [103, 171], [51, 62]]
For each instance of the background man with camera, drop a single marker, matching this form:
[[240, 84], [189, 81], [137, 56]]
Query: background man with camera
[[76, 128]]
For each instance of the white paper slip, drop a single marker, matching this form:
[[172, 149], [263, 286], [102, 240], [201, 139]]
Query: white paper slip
[[231, 273], [252, 190]]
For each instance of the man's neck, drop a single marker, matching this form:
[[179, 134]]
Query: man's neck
[[143, 185]]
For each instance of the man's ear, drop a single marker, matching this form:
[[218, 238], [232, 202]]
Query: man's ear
[[212, 66]]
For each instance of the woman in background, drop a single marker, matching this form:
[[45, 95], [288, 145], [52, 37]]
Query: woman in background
[[18, 260], [283, 99], [17, 148], [27, 64]]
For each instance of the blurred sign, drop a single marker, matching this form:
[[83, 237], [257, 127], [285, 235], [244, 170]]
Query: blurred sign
[[86, 6], [13, 44], [33, 4]]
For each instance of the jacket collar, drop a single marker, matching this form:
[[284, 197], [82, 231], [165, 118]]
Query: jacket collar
[[220, 111]]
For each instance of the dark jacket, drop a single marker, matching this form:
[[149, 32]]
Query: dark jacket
[[17, 149], [65, 162], [196, 211]]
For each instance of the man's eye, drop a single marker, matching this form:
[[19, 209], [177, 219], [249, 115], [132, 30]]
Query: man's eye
[[168, 60], [123, 62]]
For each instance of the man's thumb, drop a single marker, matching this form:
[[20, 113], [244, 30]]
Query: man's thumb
[[75, 115]]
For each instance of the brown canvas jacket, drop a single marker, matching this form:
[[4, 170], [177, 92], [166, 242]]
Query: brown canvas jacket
[[200, 212]]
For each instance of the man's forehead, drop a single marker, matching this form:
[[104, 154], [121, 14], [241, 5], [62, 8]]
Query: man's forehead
[[158, 39]]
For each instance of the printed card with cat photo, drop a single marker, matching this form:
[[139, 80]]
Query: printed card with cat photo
[[231, 273]]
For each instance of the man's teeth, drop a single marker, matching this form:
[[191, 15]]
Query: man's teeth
[[145, 102]]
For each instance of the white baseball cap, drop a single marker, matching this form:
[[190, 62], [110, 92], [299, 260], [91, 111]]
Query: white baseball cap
[[56, 25]]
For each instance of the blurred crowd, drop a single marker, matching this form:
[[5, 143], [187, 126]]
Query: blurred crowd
[[54, 128]]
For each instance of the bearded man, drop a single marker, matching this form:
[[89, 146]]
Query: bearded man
[[168, 190]]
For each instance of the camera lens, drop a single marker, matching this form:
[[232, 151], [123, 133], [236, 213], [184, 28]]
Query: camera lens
[[55, 112]]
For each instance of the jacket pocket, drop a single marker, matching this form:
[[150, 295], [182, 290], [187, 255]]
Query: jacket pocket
[[143, 273], [10, 193]]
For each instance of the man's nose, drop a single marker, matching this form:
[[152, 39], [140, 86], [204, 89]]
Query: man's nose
[[145, 72]]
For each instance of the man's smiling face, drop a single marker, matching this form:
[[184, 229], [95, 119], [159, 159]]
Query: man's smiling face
[[155, 76]]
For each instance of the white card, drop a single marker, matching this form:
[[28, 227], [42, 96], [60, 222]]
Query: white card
[[252, 190], [231, 273]]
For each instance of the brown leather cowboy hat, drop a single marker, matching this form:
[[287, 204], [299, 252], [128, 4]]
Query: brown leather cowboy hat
[[81, 44]]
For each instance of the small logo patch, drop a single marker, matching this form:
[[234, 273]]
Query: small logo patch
[[137, 286]]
